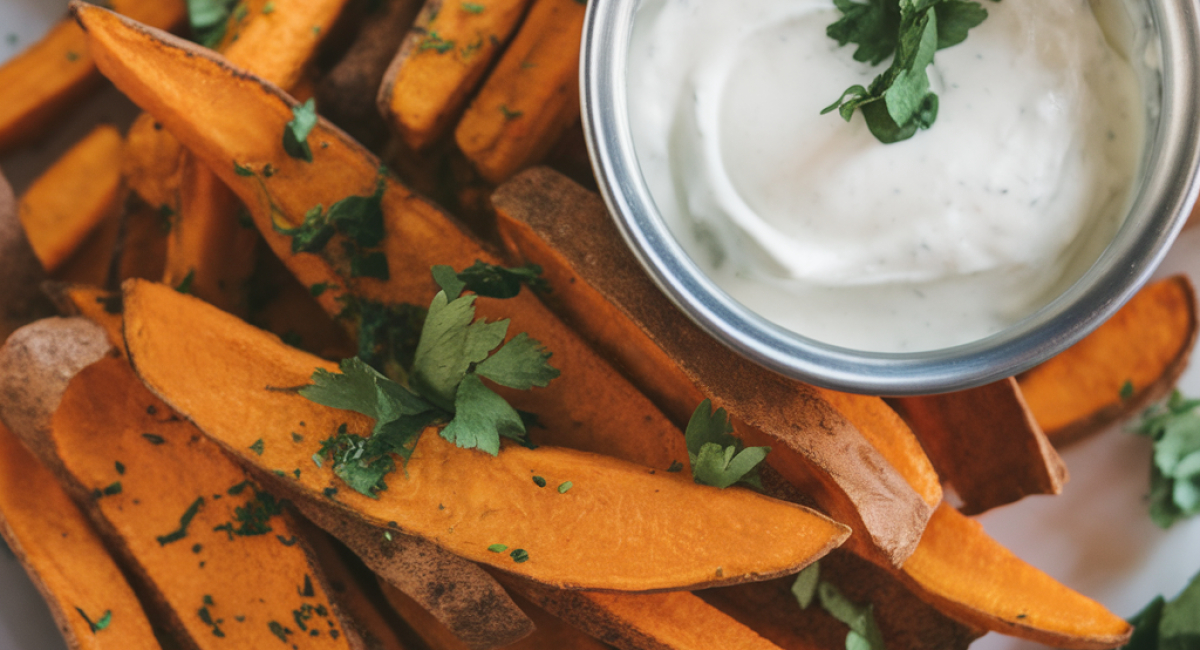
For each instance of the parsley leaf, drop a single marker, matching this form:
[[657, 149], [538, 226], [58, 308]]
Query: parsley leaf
[[209, 19], [491, 281], [295, 134], [718, 458], [451, 342], [1172, 625], [98, 625], [520, 364], [481, 417], [864, 632], [899, 102], [1175, 471], [452, 353]]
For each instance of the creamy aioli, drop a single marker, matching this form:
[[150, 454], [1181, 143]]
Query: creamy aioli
[[812, 223]]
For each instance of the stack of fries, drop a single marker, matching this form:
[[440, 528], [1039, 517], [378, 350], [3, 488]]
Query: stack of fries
[[162, 481]]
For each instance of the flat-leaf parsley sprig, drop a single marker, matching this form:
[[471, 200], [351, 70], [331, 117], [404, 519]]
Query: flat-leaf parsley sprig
[[454, 353], [717, 457], [899, 102], [1174, 426]]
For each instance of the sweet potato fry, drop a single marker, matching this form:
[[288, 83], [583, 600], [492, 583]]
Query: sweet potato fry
[[819, 438], [346, 93], [1119, 369], [551, 631], [151, 163], [21, 273], [676, 620], [209, 253], [470, 602], [70, 199], [198, 358], [97, 305], [531, 97], [440, 63], [200, 535], [905, 621], [351, 598], [93, 262], [49, 78], [589, 407], [985, 442], [464, 599], [91, 601], [967, 575], [143, 244]]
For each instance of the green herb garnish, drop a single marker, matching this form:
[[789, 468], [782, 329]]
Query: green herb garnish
[[539, 481], [1174, 426], [472, 7], [257, 447], [98, 625], [436, 43], [1173, 625], [184, 522], [718, 458], [295, 134], [154, 438], [209, 19], [185, 285], [899, 102], [497, 548], [519, 556], [864, 632], [453, 352]]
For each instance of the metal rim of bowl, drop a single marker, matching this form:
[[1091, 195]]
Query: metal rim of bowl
[[1159, 211]]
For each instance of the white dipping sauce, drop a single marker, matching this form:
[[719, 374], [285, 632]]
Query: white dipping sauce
[[814, 224]]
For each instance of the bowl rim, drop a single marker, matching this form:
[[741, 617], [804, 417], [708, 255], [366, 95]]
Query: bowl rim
[[1159, 211]]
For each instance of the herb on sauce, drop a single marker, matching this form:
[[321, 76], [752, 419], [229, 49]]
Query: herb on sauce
[[864, 632], [184, 522], [1174, 426], [718, 458], [899, 102], [295, 133]]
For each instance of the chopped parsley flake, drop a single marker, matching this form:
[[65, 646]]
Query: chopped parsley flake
[[717, 457], [154, 439], [100, 624], [184, 522], [295, 134], [120, 467], [564, 486], [257, 447], [497, 548], [519, 556], [472, 8], [539, 481]]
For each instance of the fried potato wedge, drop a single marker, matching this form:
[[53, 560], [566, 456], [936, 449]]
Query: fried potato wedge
[[985, 442], [819, 439], [1119, 369], [676, 620], [21, 272], [198, 358], [73, 196], [360, 606], [905, 621], [199, 534], [551, 632], [441, 61], [532, 96], [92, 603], [50, 77], [965, 573], [589, 407]]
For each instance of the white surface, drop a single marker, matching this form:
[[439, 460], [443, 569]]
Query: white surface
[[1095, 538]]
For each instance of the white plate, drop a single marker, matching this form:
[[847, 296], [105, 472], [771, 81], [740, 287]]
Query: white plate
[[1095, 537]]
